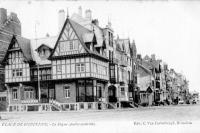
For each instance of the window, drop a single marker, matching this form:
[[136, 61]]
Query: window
[[122, 91], [110, 36], [71, 46], [14, 94], [95, 68], [62, 47], [106, 72], [28, 93], [67, 91], [2, 99], [80, 67], [51, 93], [110, 55], [13, 73], [59, 67], [17, 72]]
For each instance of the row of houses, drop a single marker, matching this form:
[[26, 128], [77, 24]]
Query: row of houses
[[83, 67], [168, 86]]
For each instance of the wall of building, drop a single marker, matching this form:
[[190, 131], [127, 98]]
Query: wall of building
[[92, 68], [20, 94], [60, 93], [16, 63]]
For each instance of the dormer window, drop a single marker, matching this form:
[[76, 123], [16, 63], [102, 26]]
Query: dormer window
[[42, 53], [110, 38]]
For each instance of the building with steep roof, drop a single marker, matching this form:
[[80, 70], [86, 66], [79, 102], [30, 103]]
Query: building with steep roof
[[9, 25], [75, 70], [145, 78]]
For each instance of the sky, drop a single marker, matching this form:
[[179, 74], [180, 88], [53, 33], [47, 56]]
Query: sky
[[169, 29]]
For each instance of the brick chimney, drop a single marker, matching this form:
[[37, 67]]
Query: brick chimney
[[3, 15], [14, 17], [153, 57], [61, 19], [88, 14]]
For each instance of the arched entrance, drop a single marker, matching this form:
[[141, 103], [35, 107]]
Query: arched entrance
[[112, 94]]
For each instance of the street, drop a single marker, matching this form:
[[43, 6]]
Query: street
[[178, 119], [179, 112]]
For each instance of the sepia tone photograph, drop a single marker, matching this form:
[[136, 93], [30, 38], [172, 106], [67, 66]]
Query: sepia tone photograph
[[99, 66]]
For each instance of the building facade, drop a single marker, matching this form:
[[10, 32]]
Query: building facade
[[77, 69], [9, 25]]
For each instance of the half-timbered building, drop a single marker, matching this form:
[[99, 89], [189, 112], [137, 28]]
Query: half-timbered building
[[9, 25], [83, 64], [79, 69]]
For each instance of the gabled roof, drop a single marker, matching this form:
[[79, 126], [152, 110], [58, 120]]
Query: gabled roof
[[123, 45], [88, 24], [88, 37], [79, 30], [49, 41], [43, 45], [81, 33], [4, 43], [99, 35], [143, 70], [24, 44], [26, 47], [151, 64]]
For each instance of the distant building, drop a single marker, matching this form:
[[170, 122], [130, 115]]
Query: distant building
[[145, 79]]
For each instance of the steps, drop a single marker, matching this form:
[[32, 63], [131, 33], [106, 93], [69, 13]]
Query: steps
[[111, 106], [55, 106]]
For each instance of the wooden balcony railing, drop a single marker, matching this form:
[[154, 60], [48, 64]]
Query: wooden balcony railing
[[41, 77]]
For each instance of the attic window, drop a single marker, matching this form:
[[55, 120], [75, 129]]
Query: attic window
[[71, 47]]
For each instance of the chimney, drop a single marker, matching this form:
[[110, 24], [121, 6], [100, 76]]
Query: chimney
[[153, 57], [3, 15], [165, 67], [96, 22], [14, 17], [139, 58], [61, 19], [80, 11], [88, 14]]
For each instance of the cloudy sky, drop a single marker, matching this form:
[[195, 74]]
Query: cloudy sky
[[171, 30]]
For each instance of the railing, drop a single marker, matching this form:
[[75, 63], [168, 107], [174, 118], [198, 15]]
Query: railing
[[123, 63], [54, 105], [28, 107], [41, 77], [74, 106], [111, 106], [114, 60], [31, 101], [86, 98]]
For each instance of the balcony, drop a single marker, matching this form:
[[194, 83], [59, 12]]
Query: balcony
[[114, 61], [113, 80], [41, 77], [124, 63]]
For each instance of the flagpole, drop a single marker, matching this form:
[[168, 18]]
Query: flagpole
[[39, 91]]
